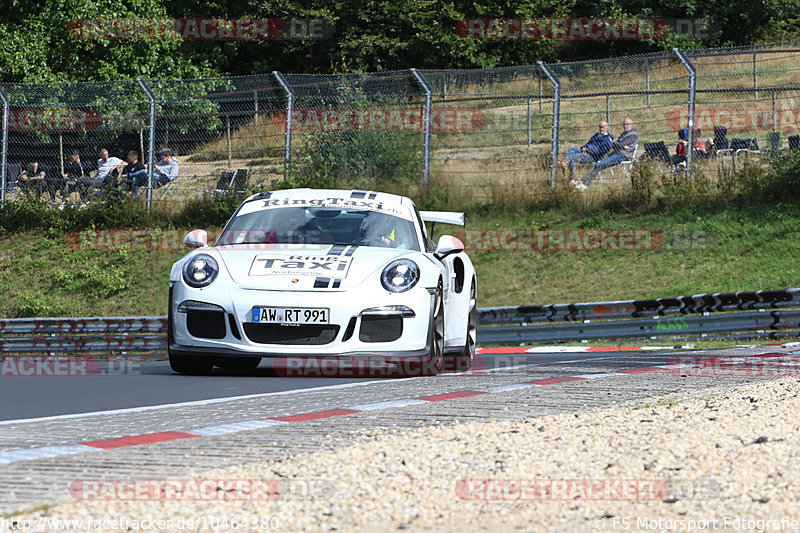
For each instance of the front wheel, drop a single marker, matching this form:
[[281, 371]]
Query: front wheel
[[194, 365], [238, 364], [435, 358], [461, 362]]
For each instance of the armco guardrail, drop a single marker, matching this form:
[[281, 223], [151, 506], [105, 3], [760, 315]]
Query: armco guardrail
[[761, 313], [86, 336], [749, 314]]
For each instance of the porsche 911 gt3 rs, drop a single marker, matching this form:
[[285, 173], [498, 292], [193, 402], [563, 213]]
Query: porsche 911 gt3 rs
[[311, 272]]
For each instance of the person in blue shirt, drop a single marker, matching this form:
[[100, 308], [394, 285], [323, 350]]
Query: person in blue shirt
[[591, 152]]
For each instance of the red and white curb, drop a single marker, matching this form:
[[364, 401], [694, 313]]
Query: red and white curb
[[46, 452]]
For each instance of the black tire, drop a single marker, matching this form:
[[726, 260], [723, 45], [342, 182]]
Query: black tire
[[435, 359], [462, 361], [238, 364], [194, 365]]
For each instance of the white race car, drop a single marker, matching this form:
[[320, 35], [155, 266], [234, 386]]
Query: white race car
[[310, 272]]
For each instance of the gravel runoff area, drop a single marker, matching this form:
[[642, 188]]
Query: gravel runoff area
[[723, 459]]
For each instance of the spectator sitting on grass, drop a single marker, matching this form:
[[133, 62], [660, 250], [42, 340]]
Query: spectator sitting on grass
[[164, 173], [623, 148], [591, 152]]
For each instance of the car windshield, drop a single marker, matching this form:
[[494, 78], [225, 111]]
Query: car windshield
[[320, 225]]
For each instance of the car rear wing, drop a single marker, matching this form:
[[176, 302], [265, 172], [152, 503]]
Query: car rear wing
[[445, 217]]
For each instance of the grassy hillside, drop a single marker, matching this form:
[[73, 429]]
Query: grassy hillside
[[727, 250]]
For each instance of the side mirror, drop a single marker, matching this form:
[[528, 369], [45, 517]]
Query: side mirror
[[448, 245], [196, 239]]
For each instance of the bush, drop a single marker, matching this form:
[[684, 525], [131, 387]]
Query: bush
[[782, 182], [374, 160]]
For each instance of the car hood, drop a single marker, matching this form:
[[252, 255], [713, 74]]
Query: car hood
[[304, 267]]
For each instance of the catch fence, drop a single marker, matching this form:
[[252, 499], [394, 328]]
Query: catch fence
[[485, 134]]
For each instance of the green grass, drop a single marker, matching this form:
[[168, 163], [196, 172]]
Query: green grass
[[752, 248]]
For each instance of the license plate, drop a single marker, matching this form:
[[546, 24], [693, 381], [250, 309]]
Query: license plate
[[290, 315]]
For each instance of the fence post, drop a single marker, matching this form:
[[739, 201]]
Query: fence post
[[774, 113], [287, 139], [647, 80], [540, 94], [529, 122], [608, 108], [228, 135], [426, 139], [151, 144], [255, 104], [755, 76], [4, 153], [556, 116], [692, 92]]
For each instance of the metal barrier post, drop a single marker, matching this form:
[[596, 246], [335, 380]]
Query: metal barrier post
[[556, 116], [151, 146], [4, 154], [426, 139], [287, 139], [755, 76], [529, 122], [692, 93]]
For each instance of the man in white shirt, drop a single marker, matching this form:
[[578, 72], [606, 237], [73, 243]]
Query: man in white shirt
[[108, 167]]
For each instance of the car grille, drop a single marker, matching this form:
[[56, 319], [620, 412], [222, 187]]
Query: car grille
[[278, 334], [380, 328], [206, 324]]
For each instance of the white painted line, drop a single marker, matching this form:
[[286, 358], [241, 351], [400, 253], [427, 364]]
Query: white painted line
[[45, 452], [385, 405], [210, 401], [234, 427], [595, 376]]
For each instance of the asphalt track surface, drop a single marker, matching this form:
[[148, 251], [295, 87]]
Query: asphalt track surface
[[60, 390], [147, 422]]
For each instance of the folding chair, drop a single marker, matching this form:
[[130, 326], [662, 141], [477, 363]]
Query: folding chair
[[233, 181], [170, 188], [657, 151], [626, 166], [240, 180], [774, 138]]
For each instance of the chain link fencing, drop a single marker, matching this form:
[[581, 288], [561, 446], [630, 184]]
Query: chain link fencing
[[500, 136]]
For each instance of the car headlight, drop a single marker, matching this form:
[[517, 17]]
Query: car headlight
[[400, 275], [200, 271]]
